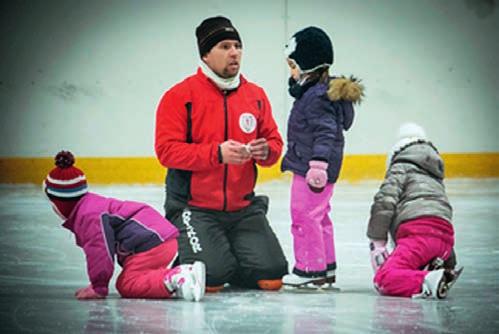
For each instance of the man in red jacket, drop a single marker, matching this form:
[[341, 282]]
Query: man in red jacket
[[211, 131]]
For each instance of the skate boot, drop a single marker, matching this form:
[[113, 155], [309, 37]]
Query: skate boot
[[187, 281], [437, 283], [435, 264], [451, 276], [433, 286], [330, 280], [302, 282], [331, 276]]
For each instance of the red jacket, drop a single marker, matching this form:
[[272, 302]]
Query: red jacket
[[193, 118]]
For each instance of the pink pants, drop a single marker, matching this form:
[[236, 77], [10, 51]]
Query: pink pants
[[418, 242], [312, 229], [144, 273]]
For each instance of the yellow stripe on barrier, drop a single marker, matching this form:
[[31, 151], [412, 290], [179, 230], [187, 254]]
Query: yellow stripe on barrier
[[145, 170]]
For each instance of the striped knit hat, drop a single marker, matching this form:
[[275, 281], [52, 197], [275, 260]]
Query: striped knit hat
[[65, 184]]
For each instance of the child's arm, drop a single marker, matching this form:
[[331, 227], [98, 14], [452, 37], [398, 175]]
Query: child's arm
[[88, 293], [100, 261], [378, 253], [385, 204], [324, 127], [321, 119], [382, 211]]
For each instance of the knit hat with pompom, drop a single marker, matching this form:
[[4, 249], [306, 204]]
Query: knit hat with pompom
[[65, 184], [407, 134]]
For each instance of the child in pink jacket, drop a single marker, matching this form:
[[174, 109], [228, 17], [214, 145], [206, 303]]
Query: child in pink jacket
[[143, 242]]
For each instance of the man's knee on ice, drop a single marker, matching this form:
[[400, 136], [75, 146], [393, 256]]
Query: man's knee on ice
[[219, 274]]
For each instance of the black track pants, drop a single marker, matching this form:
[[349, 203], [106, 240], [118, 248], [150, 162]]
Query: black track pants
[[237, 247]]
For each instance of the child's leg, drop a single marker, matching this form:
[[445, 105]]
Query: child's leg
[[307, 213], [328, 237], [144, 273], [400, 274]]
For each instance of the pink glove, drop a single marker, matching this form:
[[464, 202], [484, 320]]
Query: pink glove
[[317, 175], [379, 253], [88, 293]]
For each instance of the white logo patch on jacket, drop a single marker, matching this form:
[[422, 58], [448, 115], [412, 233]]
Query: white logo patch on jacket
[[247, 122]]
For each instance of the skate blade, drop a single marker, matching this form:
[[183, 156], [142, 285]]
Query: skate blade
[[304, 286], [455, 276], [310, 288], [330, 287]]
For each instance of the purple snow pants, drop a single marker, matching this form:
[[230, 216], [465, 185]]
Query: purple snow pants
[[418, 242], [312, 229]]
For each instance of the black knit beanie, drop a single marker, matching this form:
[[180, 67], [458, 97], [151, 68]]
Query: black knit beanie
[[310, 48], [213, 30]]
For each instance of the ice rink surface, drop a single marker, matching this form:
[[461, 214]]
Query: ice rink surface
[[41, 267]]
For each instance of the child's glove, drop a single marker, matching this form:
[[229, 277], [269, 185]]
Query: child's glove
[[379, 253], [317, 175], [88, 293]]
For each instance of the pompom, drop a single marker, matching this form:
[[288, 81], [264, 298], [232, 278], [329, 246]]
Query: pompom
[[64, 159], [411, 130]]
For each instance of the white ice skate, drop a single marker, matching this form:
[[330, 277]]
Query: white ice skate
[[293, 281], [187, 281], [437, 283]]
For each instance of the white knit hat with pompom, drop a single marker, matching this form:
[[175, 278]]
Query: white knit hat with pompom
[[408, 133]]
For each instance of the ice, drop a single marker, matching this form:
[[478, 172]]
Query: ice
[[41, 267]]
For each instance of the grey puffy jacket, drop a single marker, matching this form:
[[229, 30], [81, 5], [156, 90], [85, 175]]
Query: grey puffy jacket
[[413, 188]]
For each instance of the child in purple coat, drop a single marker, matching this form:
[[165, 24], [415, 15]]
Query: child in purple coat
[[322, 110], [142, 240]]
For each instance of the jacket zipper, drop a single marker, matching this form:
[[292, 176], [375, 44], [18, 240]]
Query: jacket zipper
[[226, 137]]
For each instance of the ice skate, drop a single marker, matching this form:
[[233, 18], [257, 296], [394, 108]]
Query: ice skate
[[437, 283], [435, 264], [187, 281], [433, 286], [451, 276], [293, 281], [330, 281]]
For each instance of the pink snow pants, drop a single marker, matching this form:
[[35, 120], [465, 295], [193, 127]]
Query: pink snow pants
[[312, 229], [418, 243], [143, 273]]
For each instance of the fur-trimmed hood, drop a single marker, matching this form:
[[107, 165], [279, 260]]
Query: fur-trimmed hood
[[348, 89]]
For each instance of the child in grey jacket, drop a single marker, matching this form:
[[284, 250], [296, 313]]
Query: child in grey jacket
[[412, 206]]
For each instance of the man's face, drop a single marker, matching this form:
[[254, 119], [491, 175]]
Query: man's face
[[225, 58]]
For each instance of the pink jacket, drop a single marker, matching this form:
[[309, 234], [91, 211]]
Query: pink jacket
[[105, 226]]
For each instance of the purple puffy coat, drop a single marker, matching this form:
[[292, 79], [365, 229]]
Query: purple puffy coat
[[316, 124]]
